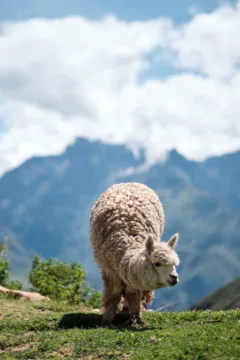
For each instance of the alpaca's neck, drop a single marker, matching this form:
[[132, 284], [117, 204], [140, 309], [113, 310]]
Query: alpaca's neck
[[133, 266]]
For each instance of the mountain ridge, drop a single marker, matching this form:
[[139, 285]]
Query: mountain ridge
[[226, 297], [45, 204]]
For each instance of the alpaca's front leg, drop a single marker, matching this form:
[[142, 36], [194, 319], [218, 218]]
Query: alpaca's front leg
[[134, 298], [111, 296]]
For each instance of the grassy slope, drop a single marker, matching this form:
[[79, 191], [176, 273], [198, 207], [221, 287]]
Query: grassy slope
[[52, 331]]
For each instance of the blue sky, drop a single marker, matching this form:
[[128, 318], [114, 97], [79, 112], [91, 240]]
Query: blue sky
[[169, 81], [177, 10]]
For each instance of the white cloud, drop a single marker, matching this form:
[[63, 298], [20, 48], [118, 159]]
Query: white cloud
[[194, 9], [208, 44], [67, 77]]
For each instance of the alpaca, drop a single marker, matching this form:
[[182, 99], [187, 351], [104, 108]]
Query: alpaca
[[126, 224]]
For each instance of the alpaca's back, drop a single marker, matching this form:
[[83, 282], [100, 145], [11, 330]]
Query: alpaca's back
[[122, 217]]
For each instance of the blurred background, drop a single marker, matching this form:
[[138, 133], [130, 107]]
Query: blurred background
[[93, 93]]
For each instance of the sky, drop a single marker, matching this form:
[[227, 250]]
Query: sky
[[155, 75]]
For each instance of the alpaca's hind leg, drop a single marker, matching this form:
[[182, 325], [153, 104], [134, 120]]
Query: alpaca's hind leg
[[134, 298], [123, 303], [147, 297], [111, 296]]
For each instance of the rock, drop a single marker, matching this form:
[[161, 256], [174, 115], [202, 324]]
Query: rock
[[23, 295]]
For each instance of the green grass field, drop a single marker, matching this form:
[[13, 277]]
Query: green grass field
[[56, 331]]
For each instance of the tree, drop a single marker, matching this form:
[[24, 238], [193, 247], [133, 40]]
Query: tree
[[61, 281]]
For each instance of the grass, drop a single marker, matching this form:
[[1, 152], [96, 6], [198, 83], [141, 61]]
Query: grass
[[56, 331]]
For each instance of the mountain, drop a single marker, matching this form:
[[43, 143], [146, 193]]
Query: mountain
[[225, 298], [45, 205]]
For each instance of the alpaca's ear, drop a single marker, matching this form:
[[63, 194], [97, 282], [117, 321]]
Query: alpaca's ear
[[149, 244], [173, 241]]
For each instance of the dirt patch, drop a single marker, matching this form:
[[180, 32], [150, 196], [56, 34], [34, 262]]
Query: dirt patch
[[21, 347], [29, 333], [63, 352]]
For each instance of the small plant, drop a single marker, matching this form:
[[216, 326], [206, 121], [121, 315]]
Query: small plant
[[94, 299], [4, 270], [14, 285], [4, 265]]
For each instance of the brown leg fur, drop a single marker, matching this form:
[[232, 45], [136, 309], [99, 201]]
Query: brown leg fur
[[147, 297], [134, 298], [111, 296]]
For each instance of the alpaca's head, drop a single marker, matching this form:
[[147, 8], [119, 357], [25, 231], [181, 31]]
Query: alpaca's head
[[162, 261]]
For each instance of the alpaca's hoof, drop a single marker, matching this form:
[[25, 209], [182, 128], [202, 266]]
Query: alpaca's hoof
[[124, 313], [108, 319], [136, 320], [139, 321]]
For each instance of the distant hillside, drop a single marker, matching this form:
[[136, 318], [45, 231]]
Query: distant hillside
[[45, 205], [225, 298]]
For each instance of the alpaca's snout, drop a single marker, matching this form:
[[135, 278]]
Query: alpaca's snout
[[174, 279]]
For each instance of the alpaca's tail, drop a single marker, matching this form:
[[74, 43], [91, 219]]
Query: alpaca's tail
[[147, 298]]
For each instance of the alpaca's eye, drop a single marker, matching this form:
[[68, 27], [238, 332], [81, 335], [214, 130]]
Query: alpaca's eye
[[157, 264]]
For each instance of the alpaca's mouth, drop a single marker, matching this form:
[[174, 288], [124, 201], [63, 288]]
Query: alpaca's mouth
[[173, 282]]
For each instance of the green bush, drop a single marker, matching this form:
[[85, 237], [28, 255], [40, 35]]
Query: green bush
[[61, 281]]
